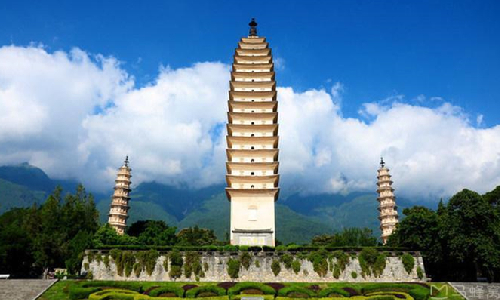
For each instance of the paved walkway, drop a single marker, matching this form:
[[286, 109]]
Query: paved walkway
[[23, 289], [478, 290]]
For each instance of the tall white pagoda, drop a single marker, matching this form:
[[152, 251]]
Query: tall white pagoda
[[118, 212], [252, 143], [387, 202]]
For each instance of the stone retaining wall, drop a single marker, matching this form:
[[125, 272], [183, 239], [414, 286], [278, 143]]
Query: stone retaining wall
[[258, 271]]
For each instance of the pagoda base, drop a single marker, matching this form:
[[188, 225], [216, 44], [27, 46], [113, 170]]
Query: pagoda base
[[253, 237]]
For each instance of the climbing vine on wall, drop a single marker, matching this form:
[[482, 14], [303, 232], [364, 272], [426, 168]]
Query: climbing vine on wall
[[319, 260], [371, 262], [233, 268], [408, 262]]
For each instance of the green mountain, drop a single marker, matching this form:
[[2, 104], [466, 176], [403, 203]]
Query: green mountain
[[298, 217], [15, 195]]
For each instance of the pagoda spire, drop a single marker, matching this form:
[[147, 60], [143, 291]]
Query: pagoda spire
[[252, 143], [253, 27], [387, 202], [118, 212]]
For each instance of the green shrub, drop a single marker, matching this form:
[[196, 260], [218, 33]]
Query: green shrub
[[296, 265], [176, 262], [128, 261], [98, 259], [205, 266], [176, 290], [165, 263], [381, 298], [296, 292], [333, 292], [319, 260], [371, 262], [354, 275], [420, 273], [131, 286], [242, 286], [342, 259], [267, 248], [213, 289], [90, 256], [287, 260], [408, 262], [86, 266], [230, 248], [105, 259], [246, 260], [233, 268], [257, 263], [276, 267], [265, 297], [77, 293], [243, 248], [192, 264], [112, 294], [137, 269], [281, 248]]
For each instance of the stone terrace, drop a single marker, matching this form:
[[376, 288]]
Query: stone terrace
[[23, 289]]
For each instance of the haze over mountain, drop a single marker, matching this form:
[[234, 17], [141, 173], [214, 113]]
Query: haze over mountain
[[298, 217]]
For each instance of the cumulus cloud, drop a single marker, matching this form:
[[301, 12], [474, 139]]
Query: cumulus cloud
[[78, 115]]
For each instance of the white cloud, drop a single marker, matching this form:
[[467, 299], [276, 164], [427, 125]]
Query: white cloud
[[173, 129]]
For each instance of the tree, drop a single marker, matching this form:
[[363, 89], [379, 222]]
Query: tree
[[153, 232], [469, 227], [196, 236], [349, 237]]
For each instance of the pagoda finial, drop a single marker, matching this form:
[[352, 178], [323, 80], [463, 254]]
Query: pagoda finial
[[253, 27], [382, 163], [126, 161]]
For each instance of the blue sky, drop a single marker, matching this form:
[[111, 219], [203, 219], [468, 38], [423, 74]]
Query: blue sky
[[83, 84], [448, 49]]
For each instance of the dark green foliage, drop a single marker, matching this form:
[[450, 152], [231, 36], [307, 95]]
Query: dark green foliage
[[319, 260], [153, 232], [276, 267], [371, 262], [196, 236], [176, 290], [333, 292], [381, 298], [127, 261], [231, 248], [420, 273], [242, 286], [408, 262], [176, 262], [296, 292], [215, 290], [81, 293], [147, 260], [192, 264], [246, 260], [354, 275], [342, 259], [296, 265], [35, 235], [105, 260], [349, 237], [460, 239], [106, 235], [287, 260], [233, 268]]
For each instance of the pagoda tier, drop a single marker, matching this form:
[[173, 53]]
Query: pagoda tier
[[388, 214], [252, 143], [118, 212]]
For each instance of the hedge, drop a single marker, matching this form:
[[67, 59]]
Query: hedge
[[336, 291], [265, 297], [418, 292], [132, 286], [241, 286], [194, 292], [177, 290], [78, 293], [287, 291], [113, 294]]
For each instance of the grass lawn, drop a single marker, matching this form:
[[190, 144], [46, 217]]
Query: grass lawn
[[62, 290]]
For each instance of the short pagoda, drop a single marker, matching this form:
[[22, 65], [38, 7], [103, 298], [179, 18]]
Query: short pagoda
[[387, 202], [252, 143], [118, 212]]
